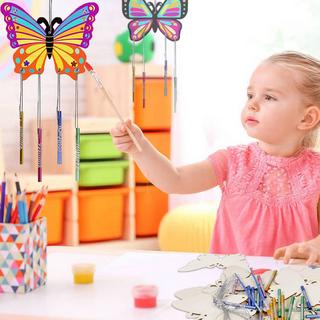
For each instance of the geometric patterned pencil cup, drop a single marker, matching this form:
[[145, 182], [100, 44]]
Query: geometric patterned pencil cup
[[23, 256]]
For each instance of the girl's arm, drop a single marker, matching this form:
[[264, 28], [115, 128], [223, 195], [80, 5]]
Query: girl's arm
[[158, 169]]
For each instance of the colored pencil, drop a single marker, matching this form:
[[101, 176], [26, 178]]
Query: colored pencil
[[304, 292], [38, 209], [9, 209], [3, 197], [17, 184]]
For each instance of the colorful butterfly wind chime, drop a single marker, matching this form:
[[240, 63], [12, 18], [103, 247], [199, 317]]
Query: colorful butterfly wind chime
[[147, 16], [61, 39]]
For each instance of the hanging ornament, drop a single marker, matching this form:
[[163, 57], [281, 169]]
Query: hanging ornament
[[147, 16], [61, 39]]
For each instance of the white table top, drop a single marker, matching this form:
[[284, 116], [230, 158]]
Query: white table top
[[109, 297]]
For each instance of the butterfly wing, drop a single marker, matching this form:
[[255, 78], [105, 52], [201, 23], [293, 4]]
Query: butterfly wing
[[72, 34], [173, 9], [21, 27], [69, 59], [77, 28], [138, 28], [142, 16], [28, 36], [136, 9], [30, 59], [170, 28]]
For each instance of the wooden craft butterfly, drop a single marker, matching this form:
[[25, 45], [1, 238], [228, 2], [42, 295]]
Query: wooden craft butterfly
[[62, 42], [147, 16]]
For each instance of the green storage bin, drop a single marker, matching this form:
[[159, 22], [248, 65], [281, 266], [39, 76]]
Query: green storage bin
[[98, 146], [102, 173]]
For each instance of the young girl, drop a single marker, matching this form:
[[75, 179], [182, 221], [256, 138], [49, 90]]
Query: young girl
[[270, 188]]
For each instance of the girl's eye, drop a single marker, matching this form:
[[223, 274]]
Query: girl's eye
[[267, 97], [249, 95]]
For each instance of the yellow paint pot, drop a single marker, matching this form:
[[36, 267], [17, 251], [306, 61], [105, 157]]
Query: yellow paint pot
[[83, 273]]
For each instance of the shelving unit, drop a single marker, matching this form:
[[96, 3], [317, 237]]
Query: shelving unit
[[100, 118]]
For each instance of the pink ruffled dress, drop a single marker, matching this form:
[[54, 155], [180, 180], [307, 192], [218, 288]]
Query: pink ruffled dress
[[267, 202]]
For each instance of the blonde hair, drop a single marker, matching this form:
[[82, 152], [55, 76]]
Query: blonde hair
[[309, 68]]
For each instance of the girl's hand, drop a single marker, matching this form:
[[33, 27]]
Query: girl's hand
[[121, 138], [308, 250]]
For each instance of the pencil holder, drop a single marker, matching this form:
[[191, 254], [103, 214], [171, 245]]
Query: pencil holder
[[23, 256]]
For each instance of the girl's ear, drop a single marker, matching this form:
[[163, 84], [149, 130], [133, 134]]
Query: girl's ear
[[311, 118]]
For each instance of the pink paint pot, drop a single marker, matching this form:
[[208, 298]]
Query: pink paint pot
[[145, 296]]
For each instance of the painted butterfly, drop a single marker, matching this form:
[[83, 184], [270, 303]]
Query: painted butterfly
[[147, 16], [63, 42]]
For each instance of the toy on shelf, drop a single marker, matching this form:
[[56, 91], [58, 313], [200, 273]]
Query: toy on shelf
[[143, 50], [65, 43], [147, 16]]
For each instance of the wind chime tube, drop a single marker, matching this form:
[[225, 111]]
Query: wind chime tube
[[165, 68], [143, 76], [39, 130], [59, 122], [175, 79], [133, 63], [77, 129], [21, 120]]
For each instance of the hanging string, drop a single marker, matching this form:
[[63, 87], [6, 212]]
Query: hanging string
[[59, 121], [143, 76], [21, 119], [39, 129], [50, 13], [133, 63], [76, 123], [165, 68], [175, 79]]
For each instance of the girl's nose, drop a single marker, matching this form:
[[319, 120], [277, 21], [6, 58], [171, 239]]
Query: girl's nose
[[253, 105]]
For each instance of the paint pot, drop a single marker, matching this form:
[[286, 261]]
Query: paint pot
[[145, 296], [83, 273]]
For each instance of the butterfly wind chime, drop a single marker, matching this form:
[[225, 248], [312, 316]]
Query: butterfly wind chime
[[37, 40], [147, 16]]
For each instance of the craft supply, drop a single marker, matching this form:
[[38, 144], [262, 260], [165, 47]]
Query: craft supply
[[21, 119], [76, 117], [279, 304], [32, 203], [38, 209], [59, 121], [146, 16], [145, 296], [291, 307], [274, 274], [37, 40], [106, 94], [261, 286], [302, 306], [3, 197], [260, 291], [248, 292], [17, 183], [239, 305], [83, 273], [9, 209], [307, 301], [274, 305], [283, 307], [39, 129]]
